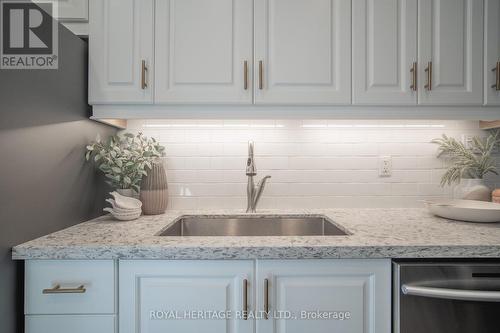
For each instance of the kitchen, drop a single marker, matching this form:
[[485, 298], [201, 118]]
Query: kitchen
[[252, 166]]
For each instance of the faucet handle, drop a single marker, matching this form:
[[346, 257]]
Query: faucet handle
[[251, 169]]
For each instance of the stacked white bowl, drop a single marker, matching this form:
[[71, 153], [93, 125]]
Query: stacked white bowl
[[124, 208]]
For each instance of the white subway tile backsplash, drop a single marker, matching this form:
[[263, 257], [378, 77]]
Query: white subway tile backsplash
[[313, 163]]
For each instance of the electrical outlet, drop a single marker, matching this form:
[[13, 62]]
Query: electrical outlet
[[385, 166], [467, 140]]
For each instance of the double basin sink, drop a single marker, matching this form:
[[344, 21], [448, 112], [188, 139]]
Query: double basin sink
[[253, 225]]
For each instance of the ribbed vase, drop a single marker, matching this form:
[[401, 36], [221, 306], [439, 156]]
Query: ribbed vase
[[154, 190]]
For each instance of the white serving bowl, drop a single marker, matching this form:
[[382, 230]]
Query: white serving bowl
[[465, 210], [122, 216], [123, 210]]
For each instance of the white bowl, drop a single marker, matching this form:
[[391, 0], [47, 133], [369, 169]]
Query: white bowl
[[126, 202], [123, 217], [123, 210], [465, 210]]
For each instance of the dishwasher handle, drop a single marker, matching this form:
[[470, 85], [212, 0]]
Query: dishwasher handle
[[453, 294]]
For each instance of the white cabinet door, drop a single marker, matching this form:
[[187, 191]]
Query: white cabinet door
[[162, 296], [384, 46], [451, 50], [492, 58], [203, 51], [354, 295], [70, 10], [121, 51], [302, 52]]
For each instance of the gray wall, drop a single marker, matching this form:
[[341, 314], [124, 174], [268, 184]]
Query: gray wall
[[45, 184]]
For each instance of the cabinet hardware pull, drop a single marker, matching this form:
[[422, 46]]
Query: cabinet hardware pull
[[58, 290], [266, 298], [245, 75], [245, 299], [261, 75], [428, 70], [144, 69], [413, 71], [497, 77]]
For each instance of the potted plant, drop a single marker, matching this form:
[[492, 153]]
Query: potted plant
[[468, 165], [124, 159]]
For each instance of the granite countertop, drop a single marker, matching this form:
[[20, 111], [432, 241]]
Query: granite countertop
[[375, 233]]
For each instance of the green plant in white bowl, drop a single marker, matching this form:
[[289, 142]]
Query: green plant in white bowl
[[125, 158], [472, 162]]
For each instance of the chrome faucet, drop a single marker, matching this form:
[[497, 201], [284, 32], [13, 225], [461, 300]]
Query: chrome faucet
[[253, 192]]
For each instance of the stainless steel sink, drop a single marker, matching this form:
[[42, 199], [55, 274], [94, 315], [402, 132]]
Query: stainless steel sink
[[317, 225]]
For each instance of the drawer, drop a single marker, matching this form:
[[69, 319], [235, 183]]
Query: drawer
[[97, 295], [70, 323]]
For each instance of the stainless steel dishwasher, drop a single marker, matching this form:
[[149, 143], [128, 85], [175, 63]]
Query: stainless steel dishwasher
[[446, 297]]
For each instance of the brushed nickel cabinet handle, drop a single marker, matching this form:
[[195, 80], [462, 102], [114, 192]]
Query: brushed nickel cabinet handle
[[428, 70], [413, 71], [245, 75], [496, 86], [266, 298], [58, 290], [144, 69], [245, 299], [261, 75]]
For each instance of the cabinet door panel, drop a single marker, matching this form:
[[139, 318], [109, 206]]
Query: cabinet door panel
[[492, 40], [201, 48], [305, 50], [384, 50], [354, 293], [164, 296], [120, 39], [451, 36]]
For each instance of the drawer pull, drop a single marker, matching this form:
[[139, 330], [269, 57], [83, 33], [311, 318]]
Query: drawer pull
[[245, 299], [58, 290], [413, 71], [428, 70], [245, 75], [144, 71], [496, 86], [266, 298], [261, 75]]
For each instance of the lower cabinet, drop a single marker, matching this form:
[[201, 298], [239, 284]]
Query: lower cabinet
[[70, 296], [286, 296], [324, 296], [185, 296], [209, 296]]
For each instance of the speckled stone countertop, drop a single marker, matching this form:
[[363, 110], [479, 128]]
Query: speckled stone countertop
[[375, 233]]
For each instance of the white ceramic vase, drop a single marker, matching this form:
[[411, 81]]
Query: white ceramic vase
[[472, 189], [154, 190]]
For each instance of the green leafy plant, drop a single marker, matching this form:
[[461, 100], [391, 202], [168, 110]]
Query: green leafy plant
[[467, 163], [125, 158]]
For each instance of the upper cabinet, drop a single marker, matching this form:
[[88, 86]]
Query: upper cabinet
[[445, 69], [319, 53], [450, 50], [121, 51], [492, 52], [203, 51], [302, 52], [384, 43]]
